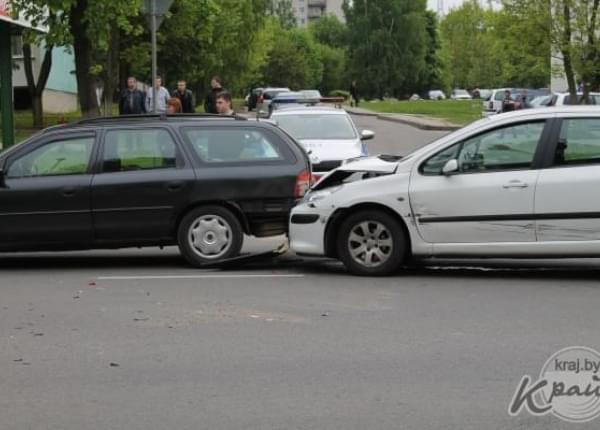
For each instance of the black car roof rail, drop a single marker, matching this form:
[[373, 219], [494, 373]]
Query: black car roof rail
[[162, 117]]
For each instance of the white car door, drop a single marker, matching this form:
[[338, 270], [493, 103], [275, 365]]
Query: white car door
[[489, 198], [567, 201]]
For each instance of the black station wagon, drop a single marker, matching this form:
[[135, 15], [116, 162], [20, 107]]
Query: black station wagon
[[200, 182]]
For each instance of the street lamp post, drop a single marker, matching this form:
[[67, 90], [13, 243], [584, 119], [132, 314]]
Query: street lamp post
[[154, 61], [155, 11]]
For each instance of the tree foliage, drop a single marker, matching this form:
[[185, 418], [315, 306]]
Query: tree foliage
[[283, 10], [294, 61], [387, 43]]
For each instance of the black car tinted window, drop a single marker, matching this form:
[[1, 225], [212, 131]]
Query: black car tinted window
[[236, 145], [138, 149], [60, 157]]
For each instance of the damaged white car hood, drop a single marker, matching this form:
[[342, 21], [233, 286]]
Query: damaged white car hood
[[374, 164]]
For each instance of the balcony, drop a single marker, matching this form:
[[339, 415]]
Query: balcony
[[315, 12], [317, 3]]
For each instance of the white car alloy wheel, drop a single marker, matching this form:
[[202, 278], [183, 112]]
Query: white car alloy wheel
[[210, 236], [370, 244]]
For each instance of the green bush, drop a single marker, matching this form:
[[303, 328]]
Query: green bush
[[340, 93]]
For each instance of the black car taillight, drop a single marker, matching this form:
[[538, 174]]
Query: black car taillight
[[303, 184]]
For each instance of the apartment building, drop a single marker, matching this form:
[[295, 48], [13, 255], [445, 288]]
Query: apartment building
[[310, 10]]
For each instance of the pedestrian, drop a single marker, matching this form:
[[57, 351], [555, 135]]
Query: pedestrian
[[185, 96], [174, 105], [524, 100], [508, 104], [162, 97], [132, 101], [224, 103], [354, 94], [210, 104]]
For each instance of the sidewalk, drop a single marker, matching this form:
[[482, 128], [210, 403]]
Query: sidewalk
[[421, 122]]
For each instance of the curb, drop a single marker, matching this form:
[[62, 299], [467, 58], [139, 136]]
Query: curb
[[418, 124], [407, 120], [352, 112]]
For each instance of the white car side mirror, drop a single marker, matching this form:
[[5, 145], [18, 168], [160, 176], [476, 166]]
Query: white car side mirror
[[450, 167], [367, 135]]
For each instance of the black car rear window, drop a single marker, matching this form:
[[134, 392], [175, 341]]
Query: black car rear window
[[237, 145]]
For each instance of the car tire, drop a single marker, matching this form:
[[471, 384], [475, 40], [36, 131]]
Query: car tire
[[209, 234], [372, 243]]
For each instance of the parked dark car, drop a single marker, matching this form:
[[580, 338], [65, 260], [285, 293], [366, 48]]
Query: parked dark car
[[253, 97], [200, 182]]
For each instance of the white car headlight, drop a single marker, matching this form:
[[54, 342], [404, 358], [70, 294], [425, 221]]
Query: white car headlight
[[317, 196]]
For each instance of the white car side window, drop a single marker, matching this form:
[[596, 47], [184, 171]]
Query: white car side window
[[579, 142], [506, 148]]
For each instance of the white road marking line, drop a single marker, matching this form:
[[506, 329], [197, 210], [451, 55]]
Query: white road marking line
[[216, 276]]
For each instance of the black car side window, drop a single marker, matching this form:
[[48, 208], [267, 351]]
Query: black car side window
[[233, 145], [60, 157], [138, 149]]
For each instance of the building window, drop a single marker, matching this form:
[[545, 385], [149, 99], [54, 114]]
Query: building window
[[17, 46]]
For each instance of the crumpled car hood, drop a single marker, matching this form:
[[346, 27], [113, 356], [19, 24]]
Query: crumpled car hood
[[361, 169], [376, 164]]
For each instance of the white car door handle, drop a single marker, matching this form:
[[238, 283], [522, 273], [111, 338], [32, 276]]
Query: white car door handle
[[515, 184]]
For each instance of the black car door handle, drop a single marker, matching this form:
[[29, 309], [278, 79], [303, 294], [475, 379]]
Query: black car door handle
[[175, 186], [69, 191]]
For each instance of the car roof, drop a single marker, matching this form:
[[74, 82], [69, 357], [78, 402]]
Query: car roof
[[148, 119], [310, 110], [266, 90], [289, 94], [547, 112]]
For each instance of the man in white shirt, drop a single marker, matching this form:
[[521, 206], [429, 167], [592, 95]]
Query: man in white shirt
[[224, 103], [162, 97]]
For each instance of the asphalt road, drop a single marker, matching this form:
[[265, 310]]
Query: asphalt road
[[137, 340], [393, 138]]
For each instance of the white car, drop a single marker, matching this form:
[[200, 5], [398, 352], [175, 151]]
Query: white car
[[436, 95], [266, 98], [493, 104], [327, 134], [563, 99], [522, 184], [459, 94]]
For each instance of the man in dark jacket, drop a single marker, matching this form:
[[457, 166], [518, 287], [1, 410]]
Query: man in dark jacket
[[185, 96], [354, 94], [210, 104], [132, 101]]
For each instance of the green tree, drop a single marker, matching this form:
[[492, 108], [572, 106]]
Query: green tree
[[525, 54], [387, 43], [294, 61], [432, 76], [468, 44], [88, 25], [334, 68], [284, 11], [330, 31]]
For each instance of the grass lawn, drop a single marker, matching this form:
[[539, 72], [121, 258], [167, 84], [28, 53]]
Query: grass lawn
[[24, 122], [456, 112]]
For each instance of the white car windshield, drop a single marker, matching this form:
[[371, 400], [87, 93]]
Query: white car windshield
[[317, 126]]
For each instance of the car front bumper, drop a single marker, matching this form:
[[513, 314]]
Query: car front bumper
[[307, 230]]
